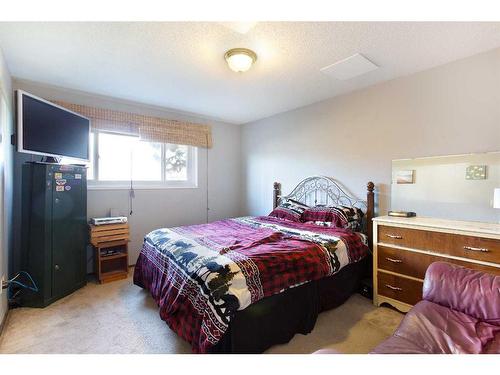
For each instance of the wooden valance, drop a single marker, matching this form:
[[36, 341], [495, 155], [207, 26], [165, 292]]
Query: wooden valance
[[148, 128]]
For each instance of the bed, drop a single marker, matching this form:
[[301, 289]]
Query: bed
[[242, 285]]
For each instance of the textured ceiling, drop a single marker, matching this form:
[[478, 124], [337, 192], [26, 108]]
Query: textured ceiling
[[181, 66]]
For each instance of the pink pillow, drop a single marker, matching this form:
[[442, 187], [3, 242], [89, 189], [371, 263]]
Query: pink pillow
[[323, 214]]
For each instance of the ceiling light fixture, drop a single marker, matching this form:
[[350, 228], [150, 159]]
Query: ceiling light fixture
[[240, 59]]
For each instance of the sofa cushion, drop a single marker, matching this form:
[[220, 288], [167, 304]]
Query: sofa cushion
[[471, 292], [431, 328]]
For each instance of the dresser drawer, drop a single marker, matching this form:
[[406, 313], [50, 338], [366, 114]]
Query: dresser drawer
[[404, 262], [399, 288], [485, 249], [415, 264], [412, 238], [470, 247]]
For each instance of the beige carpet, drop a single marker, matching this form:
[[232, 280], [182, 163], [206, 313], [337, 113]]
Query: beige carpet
[[121, 318]]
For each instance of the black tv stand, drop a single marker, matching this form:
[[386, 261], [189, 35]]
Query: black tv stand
[[51, 160]]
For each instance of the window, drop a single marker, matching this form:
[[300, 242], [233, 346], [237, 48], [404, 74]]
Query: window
[[176, 162], [116, 159]]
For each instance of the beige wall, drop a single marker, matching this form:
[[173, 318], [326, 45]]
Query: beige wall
[[162, 207], [6, 185], [451, 109]]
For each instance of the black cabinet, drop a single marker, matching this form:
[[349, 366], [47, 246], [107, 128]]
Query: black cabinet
[[54, 230]]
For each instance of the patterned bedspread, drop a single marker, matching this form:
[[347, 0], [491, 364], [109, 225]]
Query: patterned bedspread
[[200, 275]]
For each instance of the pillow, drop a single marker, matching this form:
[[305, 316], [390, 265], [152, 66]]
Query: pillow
[[354, 217], [338, 216], [289, 209], [324, 214], [321, 223]]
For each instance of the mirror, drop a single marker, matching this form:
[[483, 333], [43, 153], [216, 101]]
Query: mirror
[[457, 187]]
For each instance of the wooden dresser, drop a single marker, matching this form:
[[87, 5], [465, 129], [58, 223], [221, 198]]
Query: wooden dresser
[[405, 247]]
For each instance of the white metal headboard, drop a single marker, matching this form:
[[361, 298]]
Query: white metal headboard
[[323, 190]]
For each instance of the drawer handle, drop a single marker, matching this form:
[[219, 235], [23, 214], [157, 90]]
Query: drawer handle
[[393, 287], [480, 249], [395, 236], [394, 260]]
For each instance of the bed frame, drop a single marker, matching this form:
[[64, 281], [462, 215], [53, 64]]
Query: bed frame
[[323, 190]]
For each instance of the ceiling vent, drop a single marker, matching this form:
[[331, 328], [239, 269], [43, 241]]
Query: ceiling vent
[[351, 67]]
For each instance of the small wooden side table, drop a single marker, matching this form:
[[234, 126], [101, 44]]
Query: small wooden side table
[[110, 242]]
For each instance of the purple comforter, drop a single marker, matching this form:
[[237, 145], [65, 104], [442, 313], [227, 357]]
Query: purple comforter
[[200, 275]]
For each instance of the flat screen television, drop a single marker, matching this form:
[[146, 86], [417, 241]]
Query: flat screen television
[[44, 128]]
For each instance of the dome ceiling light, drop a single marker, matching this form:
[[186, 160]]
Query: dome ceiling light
[[240, 59]]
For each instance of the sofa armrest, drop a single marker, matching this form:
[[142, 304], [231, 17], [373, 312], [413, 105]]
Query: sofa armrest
[[472, 292]]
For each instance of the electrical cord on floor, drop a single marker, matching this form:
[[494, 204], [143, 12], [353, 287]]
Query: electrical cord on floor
[[14, 281]]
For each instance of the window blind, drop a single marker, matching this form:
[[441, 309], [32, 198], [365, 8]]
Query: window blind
[[148, 128]]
